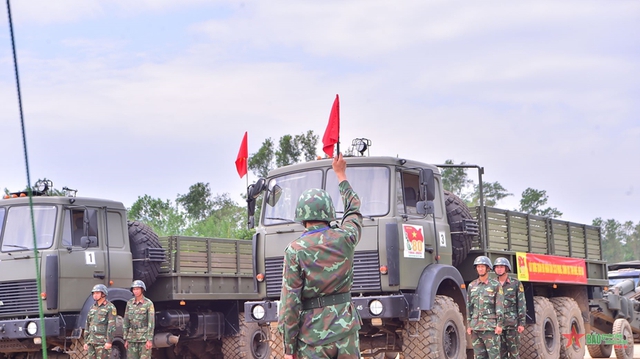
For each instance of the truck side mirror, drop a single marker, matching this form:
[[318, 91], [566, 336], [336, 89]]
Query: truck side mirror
[[273, 193], [88, 241], [427, 185]]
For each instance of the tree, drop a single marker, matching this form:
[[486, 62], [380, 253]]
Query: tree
[[532, 201], [260, 163], [197, 203], [164, 218], [455, 180], [290, 149], [288, 152], [493, 192], [307, 143], [612, 249]]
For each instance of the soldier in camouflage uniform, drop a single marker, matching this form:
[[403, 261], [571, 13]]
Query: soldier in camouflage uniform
[[139, 323], [317, 318], [101, 324], [515, 309], [485, 310]]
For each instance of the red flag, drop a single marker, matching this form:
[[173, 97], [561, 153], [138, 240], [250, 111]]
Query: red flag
[[243, 154], [332, 133]]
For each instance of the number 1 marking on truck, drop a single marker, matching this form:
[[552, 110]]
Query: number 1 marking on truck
[[90, 258], [443, 239]]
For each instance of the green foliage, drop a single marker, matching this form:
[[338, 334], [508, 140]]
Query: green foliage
[[455, 180], [197, 202], [162, 216], [493, 192], [290, 150], [620, 241], [260, 163], [532, 201]]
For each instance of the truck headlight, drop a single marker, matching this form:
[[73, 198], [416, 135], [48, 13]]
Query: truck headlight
[[257, 312], [376, 307], [32, 328]]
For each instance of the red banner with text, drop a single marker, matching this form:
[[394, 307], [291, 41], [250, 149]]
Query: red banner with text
[[553, 269]]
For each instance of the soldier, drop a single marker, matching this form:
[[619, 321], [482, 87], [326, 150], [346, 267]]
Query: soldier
[[514, 309], [485, 316], [101, 324], [139, 323], [317, 318]]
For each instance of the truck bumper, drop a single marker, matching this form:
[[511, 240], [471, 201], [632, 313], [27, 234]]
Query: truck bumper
[[384, 306], [29, 328]]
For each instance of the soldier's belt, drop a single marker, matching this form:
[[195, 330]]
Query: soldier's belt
[[319, 302]]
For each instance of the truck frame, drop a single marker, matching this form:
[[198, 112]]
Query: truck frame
[[198, 285], [412, 299]]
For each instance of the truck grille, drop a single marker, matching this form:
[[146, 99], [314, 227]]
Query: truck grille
[[18, 298], [366, 273]]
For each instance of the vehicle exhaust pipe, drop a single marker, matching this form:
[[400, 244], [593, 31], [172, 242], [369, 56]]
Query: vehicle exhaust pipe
[[165, 340]]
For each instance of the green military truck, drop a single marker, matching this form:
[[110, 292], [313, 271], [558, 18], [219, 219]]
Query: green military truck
[[198, 285], [416, 256]]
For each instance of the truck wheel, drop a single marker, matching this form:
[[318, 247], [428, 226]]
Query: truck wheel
[[541, 340], [600, 351], [250, 342], [621, 326], [117, 350], [142, 237], [569, 320], [440, 333], [457, 211], [275, 342]]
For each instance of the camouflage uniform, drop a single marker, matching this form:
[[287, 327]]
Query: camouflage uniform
[[320, 264], [515, 311], [101, 324], [484, 314], [138, 327]]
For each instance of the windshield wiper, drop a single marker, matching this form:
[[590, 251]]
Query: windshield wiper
[[16, 246], [280, 219]]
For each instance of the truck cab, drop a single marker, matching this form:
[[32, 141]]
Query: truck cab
[[75, 239]]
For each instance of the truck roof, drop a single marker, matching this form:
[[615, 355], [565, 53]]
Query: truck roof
[[625, 265], [373, 160], [75, 201]]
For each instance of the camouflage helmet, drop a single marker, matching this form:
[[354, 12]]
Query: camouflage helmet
[[138, 284], [483, 260], [315, 205], [502, 261], [100, 288]]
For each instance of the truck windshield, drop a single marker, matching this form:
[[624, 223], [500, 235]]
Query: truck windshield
[[370, 183], [17, 233], [292, 187]]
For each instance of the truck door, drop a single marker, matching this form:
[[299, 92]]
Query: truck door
[[79, 268]]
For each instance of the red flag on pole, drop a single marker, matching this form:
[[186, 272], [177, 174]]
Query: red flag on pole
[[332, 133], [243, 154]]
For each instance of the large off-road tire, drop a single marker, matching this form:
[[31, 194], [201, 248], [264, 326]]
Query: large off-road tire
[[542, 339], [142, 237], [252, 341], [276, 344], [439, 334], [117, 349], [457, 211], [600, 351], [569, 320], [621, 326]]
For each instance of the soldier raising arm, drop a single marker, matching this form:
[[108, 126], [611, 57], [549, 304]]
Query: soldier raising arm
[[317, 318]]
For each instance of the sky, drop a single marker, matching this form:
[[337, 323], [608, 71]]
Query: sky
[[127, 98]]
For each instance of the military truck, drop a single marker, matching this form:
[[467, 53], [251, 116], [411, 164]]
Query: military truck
[[198, 285], [615, 317], [416, 255]]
